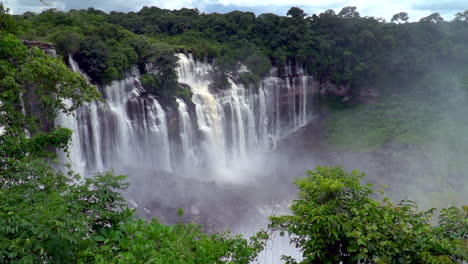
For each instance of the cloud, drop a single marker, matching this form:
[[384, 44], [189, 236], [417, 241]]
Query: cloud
[[262, 9], [21, 6], [441, 6]]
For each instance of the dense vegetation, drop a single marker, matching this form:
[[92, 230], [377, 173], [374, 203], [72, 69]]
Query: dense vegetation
[[104, 51], [49, 216], [336, 220], [415, 112], [342, 48]]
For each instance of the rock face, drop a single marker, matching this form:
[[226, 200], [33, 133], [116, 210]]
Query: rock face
[[30, 100], [368, 96], [40, 45], [328, 88], [46, 47]]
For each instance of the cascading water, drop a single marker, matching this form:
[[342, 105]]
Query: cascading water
[[124, 131], [129, 129], [220, 135], [186, 134], [239, 122], [2, 129], [76, 153]]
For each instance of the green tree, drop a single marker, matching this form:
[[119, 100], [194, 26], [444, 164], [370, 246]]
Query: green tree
[[7, 23], [461, 16], [94, 58], [41, 218], [38, 84], [401, 17], [296, 12], [67, 42], [138, 241], [349, 12], [433, 18], [336, 219]]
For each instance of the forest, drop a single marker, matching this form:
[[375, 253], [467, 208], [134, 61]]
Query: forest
[[48, 215], [343, 48]]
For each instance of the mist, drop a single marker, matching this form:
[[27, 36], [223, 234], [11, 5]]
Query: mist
[[229, 158]]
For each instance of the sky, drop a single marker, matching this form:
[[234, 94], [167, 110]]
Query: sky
[[376, 8]]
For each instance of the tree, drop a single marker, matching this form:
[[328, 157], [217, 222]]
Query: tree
[[399, 18], [159, 57], [296, 12], [330, 12], [38, 211], [39, 84], [462, 16], [433, 18], [138, 241], [94, 58], [7, 23], [67, 42], [349, 12], [335, 219]]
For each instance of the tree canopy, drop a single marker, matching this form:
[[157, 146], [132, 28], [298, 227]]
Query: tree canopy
[[342, 48], [336, 219]]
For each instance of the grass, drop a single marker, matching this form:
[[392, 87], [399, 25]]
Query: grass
[[419, 114], [429, 122]]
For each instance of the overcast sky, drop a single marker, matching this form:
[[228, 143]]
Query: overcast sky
[[377, 8]]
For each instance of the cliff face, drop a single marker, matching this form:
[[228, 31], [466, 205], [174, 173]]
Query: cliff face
[[31, 103], [209, 131], [213, 127], [217, 136]]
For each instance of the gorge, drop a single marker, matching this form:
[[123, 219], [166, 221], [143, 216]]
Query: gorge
[[222, 135], [216, 119]]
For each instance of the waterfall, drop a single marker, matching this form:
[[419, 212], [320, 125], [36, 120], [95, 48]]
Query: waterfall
[[238, 122], [126, 130], [304, 84], [209, 113], [222, 133], [161, 131], [186, 132], [76, 154], [2, 129]]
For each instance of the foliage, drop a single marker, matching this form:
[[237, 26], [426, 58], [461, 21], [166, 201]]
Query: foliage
[[248, 79], [433, 18], [336, 219], [343, 48], [296, 12], [34, 81], [45, 217], [38, 209], [104, 51], [155, 84], [159, 62], [141, 242], [7, 23], [67, 42], [417, 112], [401, 17]]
